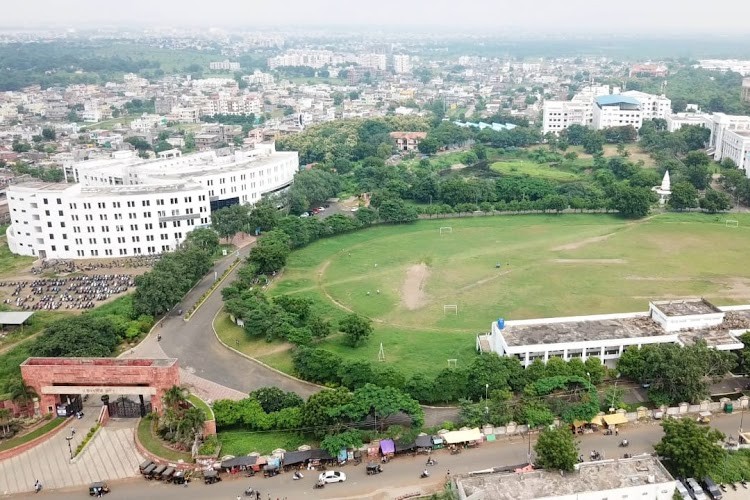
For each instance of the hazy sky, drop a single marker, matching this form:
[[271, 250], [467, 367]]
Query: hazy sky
[[556, 16]]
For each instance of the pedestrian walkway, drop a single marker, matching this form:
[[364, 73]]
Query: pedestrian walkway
[[110, 455]]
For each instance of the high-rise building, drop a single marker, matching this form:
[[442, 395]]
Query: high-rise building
[[746, 90], [401, 64]]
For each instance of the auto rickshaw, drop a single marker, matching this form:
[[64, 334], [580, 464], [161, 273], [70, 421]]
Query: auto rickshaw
[[145, 465], [167, 475], [98, 489], [149, 471], [373, 468], [180, 477], [211, 477]]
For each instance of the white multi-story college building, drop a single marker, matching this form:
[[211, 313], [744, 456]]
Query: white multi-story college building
[[125, 206], [606, 336], [401, 63], [652, 106], [730, 138], [617, 111], [610, 108]]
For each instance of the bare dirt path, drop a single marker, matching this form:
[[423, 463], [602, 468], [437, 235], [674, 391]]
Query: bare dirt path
[[413, 295]]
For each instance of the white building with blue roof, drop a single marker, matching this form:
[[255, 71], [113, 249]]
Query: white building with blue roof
[[617, 111]]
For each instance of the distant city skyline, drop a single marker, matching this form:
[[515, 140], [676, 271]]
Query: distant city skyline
[[550, 17]]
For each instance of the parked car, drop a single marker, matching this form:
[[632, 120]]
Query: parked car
[[696, 489], [711, 488], [354, 209], [304, 214], [332, 476], [683, 491]]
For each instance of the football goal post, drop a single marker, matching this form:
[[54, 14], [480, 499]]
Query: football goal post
[[450, 308], [446, 230], [731, 223], [452, 363]]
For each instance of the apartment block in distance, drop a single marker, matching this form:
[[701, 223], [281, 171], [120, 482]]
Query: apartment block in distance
[[125, 206]]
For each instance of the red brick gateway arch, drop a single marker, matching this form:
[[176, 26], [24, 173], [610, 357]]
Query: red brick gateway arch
[[60, 381]]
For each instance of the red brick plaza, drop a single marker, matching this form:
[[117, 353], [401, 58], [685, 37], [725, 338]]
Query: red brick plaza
[[52, 378]]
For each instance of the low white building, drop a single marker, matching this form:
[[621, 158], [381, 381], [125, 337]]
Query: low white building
[[606, 336], [642, 477], [125, 206], [617, 111], [675, 121]]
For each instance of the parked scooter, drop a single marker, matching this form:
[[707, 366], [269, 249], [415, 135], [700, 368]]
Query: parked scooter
[[319, 484], [297, 475]]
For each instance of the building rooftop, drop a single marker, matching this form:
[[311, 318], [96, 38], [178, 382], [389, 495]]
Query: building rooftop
[[581, 330], [590, 477], [615, 99], [158, 363], [686, 307]]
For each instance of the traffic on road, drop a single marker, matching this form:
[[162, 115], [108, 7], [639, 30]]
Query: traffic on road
[[401, 476]]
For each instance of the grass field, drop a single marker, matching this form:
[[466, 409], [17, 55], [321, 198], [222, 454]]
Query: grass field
[[9, 262], [532, 169], [550, 266]]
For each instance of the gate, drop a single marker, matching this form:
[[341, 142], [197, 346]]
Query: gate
[[125, 408]]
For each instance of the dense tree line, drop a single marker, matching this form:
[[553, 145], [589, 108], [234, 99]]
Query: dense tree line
[[160, 289], [675, 374], [329, 414]]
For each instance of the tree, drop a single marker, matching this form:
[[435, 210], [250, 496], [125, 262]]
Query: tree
[[21, 146], [270, 253], [357, 329], [632, 202], [593, 142], [556, 449], [346, 440], [366, 216], [273, 399], [231, 220], [381, 403], [684, 195], [321, 414], [428, 146], [689, 449], [49, 134], [715, 201], [396, 211], [204, 238]]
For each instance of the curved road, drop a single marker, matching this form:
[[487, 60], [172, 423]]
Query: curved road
[[212, 368]]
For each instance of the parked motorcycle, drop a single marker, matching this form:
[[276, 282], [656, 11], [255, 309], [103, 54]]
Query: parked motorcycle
[[297, 475]]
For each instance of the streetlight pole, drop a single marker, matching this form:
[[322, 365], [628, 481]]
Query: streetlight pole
[[486, 389], [70, 448]]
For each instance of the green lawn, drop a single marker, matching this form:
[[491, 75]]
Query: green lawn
[[39, 431], [199, 403], [550, 266], [520, 168], [239, 442], [154, 445], [11, 263]]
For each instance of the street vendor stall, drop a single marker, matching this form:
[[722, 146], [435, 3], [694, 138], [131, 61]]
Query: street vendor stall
[[463, 437], [387, 447], [615, 419]]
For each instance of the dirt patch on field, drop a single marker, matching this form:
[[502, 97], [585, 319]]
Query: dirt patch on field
[[413, 295], [582, 243], [590, 261]]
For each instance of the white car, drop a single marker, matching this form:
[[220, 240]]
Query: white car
[[304, 214], [354, 209], [332, 476]]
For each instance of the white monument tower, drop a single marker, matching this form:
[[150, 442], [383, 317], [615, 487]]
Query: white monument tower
[[665, 190]]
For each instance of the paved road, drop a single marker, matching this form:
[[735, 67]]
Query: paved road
[[401, 475], [194, 344]]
